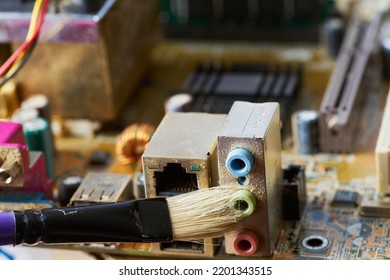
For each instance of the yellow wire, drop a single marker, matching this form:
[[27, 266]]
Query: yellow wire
[[34, 18], [33, 23]]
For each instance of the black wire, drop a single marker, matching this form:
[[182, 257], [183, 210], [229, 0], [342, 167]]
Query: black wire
[[21, 64]]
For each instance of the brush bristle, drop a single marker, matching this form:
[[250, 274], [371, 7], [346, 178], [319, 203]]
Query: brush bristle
[[203, 213]]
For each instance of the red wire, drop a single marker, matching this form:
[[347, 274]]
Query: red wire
[[26, 44]]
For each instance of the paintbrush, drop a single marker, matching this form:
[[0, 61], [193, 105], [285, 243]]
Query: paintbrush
[[199, 214]]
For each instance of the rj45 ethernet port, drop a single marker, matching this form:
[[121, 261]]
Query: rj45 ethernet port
[[181, 157], [174, 180]]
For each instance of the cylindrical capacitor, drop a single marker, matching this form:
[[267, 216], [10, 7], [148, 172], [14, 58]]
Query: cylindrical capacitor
[[22, 115], [305, 129], [68, 186], [38, 138], [334, 33], [40, 103]]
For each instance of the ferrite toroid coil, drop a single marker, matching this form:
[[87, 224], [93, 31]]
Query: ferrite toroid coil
[[132, 143]]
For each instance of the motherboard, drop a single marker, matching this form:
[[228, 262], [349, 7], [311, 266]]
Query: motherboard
[[309, 117]]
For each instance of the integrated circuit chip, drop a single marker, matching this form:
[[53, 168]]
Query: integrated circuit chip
[[346, 199]]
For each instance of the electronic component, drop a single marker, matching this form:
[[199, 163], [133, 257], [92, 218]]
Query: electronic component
[[67, 187], [385, 48], [20, 167], [345, 199], [139, 185], [328, 224], [334, 33], [22, 115], [40, 103], [103, 187], [379, 208], [23, 179], [246, 243], [10, 169], [249, 155], [82, 128], [180, 246], [317, 244], [181, 157], [215, 87], [184, 146], [100, 158], [92, 63], [382, 152], [294, 194], [293, 21], [305, 131], [39, 138], [37, 178], [132, 142], [232, 83], [340, 105]]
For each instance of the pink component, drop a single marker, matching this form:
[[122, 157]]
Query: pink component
[[12, 137], [36, 178], [246, 243], [11, 133], [33, 163]]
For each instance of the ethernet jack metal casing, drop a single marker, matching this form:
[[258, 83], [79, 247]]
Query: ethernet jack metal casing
[[256, 129], [182, 157]]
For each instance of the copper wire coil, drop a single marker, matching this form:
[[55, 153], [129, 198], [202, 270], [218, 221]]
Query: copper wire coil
[[132, 143]]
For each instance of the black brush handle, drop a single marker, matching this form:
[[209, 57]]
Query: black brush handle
[[144, 220]]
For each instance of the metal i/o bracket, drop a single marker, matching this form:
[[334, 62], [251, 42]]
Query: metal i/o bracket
[[249, 155]]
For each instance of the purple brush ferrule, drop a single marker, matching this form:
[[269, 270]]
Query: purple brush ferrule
[[7, 228]]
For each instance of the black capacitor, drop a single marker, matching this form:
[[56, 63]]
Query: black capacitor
[[305, 129], [68, 186], [334, 33]]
